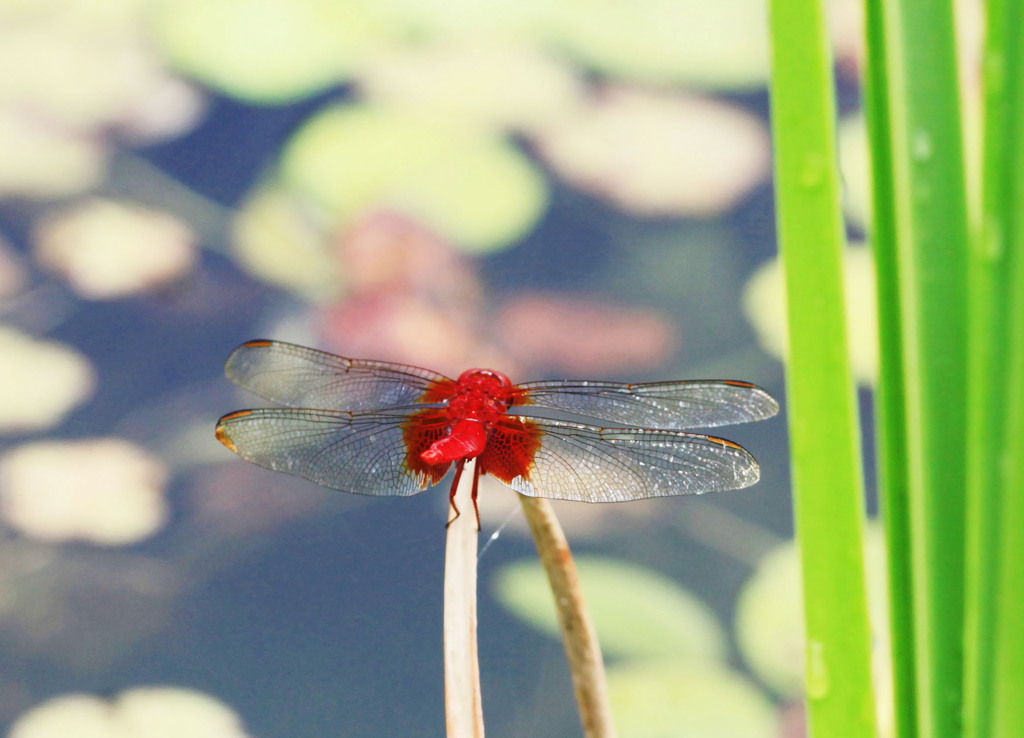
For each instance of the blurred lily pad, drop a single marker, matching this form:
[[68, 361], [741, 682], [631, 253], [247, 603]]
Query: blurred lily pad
[[43, 162], [498, 84], [469, 186], [856, 169], [764, 305], [702, 700], [104, 490], [111, 249], [659, 154], [636, 612], [719, 45], [273, 51], [770, 621], [770, 618], [150, 712], [460, 19], [278, 242], [115, 69], [40, 381]]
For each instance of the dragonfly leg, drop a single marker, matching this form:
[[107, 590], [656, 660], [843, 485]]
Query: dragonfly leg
[[476, 480], [455, 485]]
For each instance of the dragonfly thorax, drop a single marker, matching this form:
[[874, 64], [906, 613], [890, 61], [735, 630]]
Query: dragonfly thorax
[[481, 394]]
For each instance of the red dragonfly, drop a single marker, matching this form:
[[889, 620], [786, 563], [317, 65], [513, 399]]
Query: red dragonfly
[[384, 429]]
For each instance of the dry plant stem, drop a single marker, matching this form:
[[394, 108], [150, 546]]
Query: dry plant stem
[[462, 704], [581, 645]]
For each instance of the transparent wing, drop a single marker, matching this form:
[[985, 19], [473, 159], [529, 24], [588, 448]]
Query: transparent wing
[[304, 377], [361, 453], [665, 405], [572, 461]]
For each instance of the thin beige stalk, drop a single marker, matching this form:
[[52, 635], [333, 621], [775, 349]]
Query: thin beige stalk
[[581, 645], [462, 703]]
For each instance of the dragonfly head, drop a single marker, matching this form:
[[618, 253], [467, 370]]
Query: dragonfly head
[[486, 379]]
